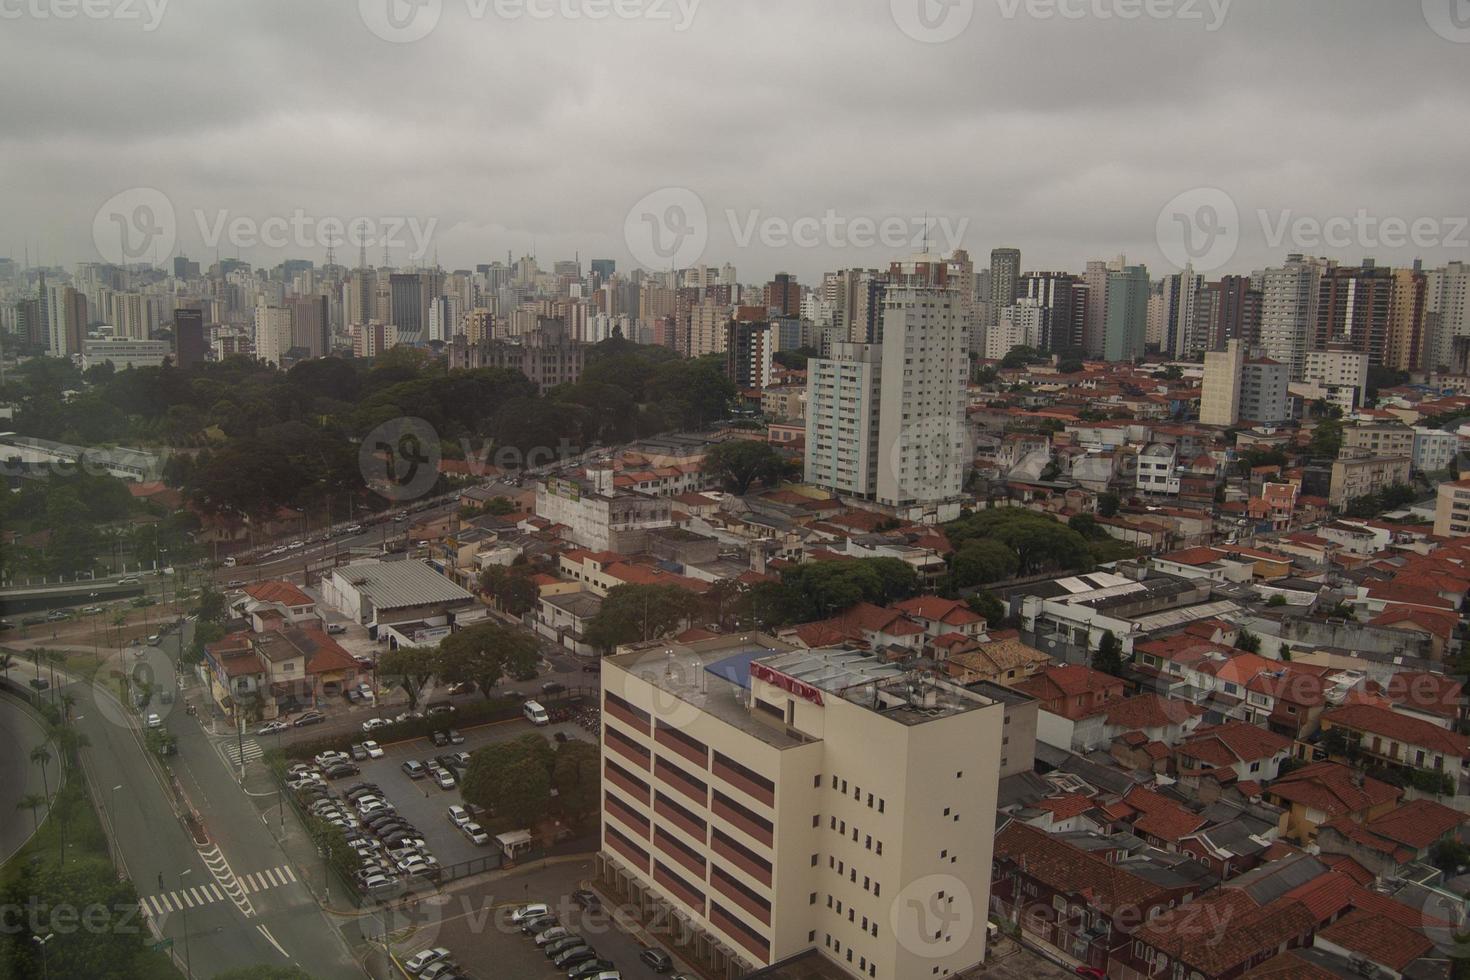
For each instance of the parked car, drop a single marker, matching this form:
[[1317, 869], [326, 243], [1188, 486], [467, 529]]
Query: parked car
[[551, 935], [539, 924], [445, 779], [590, 969], [358, 752], [459, 816], [308, 718], [520, 915], [554, 949], [439, 738], [373, 724], [336, 629], [553, 687], [415, 769], [455, 738], [437, 971], [476, 834], [154, 721], [571, 956], [373, 749], [657, 959], [424, 957], [587, 899], [271, 727]]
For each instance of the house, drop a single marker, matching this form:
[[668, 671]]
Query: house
[[1397, 739], [1073, 702], [1074, 901], [864, 624], [1401, 836], [286, 601], [1224, 754], [564, 618], [1002, 661], [941, 616], [1323, 791]]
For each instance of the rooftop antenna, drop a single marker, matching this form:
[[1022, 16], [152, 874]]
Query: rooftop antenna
[[926, 233], [362, 255]]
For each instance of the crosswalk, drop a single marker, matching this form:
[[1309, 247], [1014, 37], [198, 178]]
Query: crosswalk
[[207, 894], [232, 750]]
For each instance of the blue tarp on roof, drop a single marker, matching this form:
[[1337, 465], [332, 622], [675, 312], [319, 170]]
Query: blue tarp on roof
[[736, 667]]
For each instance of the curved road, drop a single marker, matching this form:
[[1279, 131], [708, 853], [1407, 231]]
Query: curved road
[[19, 733]]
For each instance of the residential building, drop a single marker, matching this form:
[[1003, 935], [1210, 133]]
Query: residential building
[[1379, 438], [1452, 509], [1434, 449], [1354, 304], [1343, 372], [598, 516], [1398, 740], [783, 293], [1022, 324], [1447, 311], [748, 349], [1005, 281], [1219, 402], [272, 333], [1264, 398], [842, 417], [1354, 477], [1056, 293], [780, 802], [1127, 313], [923, 451], [1289, 296], [189, 343]]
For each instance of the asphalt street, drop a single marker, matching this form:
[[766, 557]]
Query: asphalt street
[[20, 732], [232, 901]]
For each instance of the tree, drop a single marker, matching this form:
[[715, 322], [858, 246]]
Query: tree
[[211, 605], [1108, 657], [981, 561], [410, 668], [1276, 600], [511, 587], [1326, 439], [1107, 503], [41, 756], [481, 654], [512, 780], [631, 613], [576, 774], [795, 360], [1248, 641], [32, 802], [1020, 356], [738, 463], [987, 605]]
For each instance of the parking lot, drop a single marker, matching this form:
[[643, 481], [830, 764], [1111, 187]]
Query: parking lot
[[421, 802], [476, 928]]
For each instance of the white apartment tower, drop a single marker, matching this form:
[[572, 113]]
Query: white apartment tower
[[842, 419], [1289, 312], [772, 802], [923, 445]]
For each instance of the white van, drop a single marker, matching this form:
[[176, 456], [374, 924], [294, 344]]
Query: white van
[[229, 561], [536, 714]]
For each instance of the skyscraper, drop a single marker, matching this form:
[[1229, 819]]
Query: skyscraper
[[748, 348], [66, 310], [843, 393], [1406, 348], [188, 337], [1447, 305], [1289, 311], [1126, 319], [1005, 280], [784, 293], [1353, 309], [406, 305], [1219, 402], [1094, 321], [1055, 293]]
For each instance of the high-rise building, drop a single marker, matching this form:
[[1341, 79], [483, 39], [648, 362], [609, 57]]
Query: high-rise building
[[1228, 310], [923, 443], [1289, 297], [1127, 314], [796, 800], [407, 305], [1406, 348], [1354, 304], [1005, 280], [1447, 316], [1219, 402], [1264, 395], [311, 330], [843, 394], [749, 345], [272, 333], [188, 337], [603, 268], [707, 333], [1343, 372], [1055, 293], [1095, 319], [30, 328], [784, 293], [445, 317], [1022, 324], [1180, 295], [66, 309]]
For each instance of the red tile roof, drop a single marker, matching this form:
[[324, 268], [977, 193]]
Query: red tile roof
[[1418, 823], [1334, 789], [1151, 711], [1380, 940], [1073, 871], [1236, 741], [1402, 728], [1169, 823], [951, 612], [278, 591]]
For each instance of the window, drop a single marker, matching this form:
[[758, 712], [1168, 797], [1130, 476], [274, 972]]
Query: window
[[812, 899]]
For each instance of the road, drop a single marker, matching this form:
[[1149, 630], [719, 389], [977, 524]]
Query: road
[[237, 899], [20, 732]]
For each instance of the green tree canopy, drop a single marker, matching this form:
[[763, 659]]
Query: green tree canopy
[[631, 613], [738, 463], [483, 653], [410, 668]]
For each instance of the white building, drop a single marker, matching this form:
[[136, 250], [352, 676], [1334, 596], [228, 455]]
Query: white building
[[773, 802], [599, 517], [272, 333], [842, 398], [1434, 449], [124, 353], [1289, 312], [1021, 324], [923, 443], [1447, 309], [1158, 470], [1344, 373]]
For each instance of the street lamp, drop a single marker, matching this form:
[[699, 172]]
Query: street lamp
[[41, 941], [188, 961], [112, 806]]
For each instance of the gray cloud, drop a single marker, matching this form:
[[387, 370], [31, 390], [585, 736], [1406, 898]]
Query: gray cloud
[[1063, 137]]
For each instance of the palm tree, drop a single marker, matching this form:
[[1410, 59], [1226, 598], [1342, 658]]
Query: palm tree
[[32, 802], [6, 659], [42, 755], [68, 701]]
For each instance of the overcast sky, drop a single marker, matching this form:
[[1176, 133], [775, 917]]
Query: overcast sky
[[496, 130]]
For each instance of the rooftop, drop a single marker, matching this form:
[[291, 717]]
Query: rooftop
[[398, 584]]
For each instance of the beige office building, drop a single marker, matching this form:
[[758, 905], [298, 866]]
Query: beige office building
[[1219, 402], [765, 802]]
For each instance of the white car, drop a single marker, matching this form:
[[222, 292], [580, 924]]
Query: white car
[[154, 721], [331, 757], [423, 958], [475, 833], [459, 816], [270, 728], [373, 749], [373, 724], [529, 912], [552, 935]]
